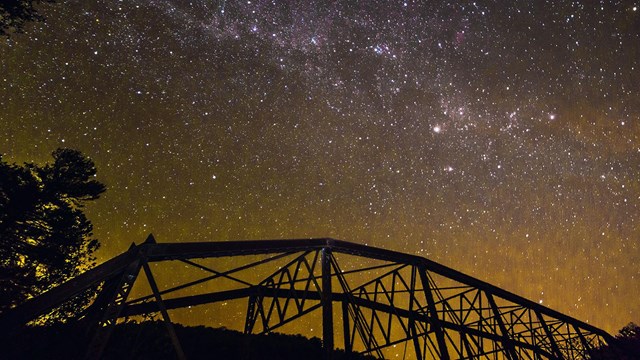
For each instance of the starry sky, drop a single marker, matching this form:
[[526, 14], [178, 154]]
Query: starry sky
[[500, 138]]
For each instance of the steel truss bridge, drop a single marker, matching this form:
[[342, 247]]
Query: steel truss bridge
[[369, 300]]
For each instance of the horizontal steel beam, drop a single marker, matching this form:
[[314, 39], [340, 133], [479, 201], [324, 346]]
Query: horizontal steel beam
[[201, 299], [186, 301], [214, 249]]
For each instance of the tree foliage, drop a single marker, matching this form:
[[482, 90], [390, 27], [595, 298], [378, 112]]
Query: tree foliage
[[15, 13], [628, 341], [624, 346], [45, 238]]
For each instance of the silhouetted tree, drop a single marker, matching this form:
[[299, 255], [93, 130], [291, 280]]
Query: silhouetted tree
[[45, 238], [15, 13], [628, 339], [630, 331], [625, 345]]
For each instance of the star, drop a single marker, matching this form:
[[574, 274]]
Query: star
[[499, 139]]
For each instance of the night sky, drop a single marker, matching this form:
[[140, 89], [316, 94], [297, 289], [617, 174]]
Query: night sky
[[498, 138]]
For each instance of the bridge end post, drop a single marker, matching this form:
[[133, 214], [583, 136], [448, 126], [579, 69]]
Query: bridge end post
[[327, 305]]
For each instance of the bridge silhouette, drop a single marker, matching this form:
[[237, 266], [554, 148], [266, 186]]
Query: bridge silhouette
[[371, 300]]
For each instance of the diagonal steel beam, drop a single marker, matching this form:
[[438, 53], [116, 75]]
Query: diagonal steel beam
[[557, 354], [507, 344], [435, 319], [13, 320], [113, 299], [163, 310]]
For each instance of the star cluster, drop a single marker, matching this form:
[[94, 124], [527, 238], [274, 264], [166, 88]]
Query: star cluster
[[498, 138]]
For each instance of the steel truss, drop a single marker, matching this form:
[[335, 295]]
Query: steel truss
[[377, 301]]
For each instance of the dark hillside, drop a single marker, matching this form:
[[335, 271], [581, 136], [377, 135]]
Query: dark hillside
[[149, 340]]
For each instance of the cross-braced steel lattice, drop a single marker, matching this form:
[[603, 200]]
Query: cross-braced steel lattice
[[372, 300]]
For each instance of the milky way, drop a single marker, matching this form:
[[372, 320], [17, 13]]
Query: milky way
[[501, 139]]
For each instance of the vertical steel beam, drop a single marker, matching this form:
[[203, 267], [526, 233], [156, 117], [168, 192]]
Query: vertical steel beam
[[435, 319], [163, 311], [412, 323], [345, 327], [327, 306], [250, 319]]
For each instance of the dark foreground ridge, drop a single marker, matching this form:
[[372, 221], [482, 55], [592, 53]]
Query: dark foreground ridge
[[149, 340]]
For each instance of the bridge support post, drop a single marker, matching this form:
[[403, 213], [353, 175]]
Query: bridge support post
[[346, 328], [327, 306], [413, 333]]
